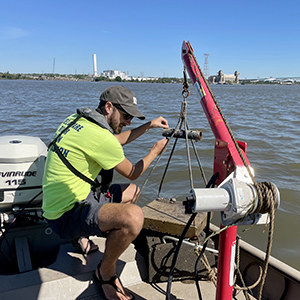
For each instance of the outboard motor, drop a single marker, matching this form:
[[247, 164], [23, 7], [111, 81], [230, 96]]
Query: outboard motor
[[26, 240], [22, 160]]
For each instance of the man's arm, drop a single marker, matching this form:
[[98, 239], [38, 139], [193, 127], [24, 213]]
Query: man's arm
[[130, 135], [132, 172]]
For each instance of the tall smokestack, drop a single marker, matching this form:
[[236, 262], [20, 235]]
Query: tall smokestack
[[95, 65]]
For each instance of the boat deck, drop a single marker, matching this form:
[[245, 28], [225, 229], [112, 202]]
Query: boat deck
[[71, 277]]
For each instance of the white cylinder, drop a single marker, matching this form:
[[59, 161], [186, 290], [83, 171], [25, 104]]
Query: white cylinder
[[95, 64], [210, 199]]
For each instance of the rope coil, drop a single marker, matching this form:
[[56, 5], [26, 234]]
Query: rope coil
[[267, 193]]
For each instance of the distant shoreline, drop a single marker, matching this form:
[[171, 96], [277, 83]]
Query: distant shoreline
[[90, 78]]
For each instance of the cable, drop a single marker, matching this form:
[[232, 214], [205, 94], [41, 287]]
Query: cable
[[201, 254], [16, 217], [168, 293], [211, 183]]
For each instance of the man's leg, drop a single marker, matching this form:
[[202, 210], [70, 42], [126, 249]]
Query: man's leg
[[130, 193], [123, 222]]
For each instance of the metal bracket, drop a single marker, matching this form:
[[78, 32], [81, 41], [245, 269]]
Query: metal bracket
[[23, 254]]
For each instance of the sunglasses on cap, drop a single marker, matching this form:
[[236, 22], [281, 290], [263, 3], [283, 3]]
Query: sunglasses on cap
[[126, 115]]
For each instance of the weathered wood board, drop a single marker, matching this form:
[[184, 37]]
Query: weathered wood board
[[170, 218]]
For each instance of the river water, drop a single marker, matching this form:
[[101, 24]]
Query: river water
[[267, 117]]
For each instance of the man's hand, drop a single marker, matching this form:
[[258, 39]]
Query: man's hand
[[130, 135], [159, 146], [132, 172], [159, 122]]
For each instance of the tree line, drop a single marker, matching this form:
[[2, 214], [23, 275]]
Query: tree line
[[36, 76]]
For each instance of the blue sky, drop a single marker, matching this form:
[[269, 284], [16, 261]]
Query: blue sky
[[256, 38]]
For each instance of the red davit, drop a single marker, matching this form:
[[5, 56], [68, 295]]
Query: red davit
[[226, 160]]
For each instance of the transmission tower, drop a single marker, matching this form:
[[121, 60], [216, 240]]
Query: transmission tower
[[53, 65], [206, 68]]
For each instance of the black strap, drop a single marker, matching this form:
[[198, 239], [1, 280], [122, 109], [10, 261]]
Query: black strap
[[66, 162], [72, 169], [63, 131]]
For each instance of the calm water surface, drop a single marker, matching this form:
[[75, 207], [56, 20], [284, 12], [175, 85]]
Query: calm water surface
[[266, 117]]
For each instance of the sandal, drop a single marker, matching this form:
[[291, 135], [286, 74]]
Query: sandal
[[78, 245], [100, 282]]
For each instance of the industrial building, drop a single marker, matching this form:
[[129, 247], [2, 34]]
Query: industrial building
[[222, 78]]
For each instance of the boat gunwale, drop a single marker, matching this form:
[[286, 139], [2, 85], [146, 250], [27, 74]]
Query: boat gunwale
[[278, 266]]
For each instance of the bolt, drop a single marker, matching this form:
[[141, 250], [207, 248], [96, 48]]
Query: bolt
[[48, 231]]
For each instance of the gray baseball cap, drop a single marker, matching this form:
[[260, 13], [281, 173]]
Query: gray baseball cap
[[122, 96]]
